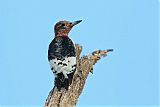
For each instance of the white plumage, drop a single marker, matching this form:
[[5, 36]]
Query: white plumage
[[66, 66]]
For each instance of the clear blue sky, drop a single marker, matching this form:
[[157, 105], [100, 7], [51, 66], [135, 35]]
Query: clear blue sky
[[128, 76]]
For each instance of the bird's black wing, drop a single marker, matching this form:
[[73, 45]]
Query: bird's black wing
[[61, 47]]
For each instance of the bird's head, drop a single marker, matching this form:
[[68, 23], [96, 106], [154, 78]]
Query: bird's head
[[62, 28]]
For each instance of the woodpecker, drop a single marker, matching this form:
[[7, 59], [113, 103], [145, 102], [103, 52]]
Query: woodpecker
[[62, 54]]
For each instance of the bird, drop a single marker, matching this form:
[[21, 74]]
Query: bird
[[62, 54]]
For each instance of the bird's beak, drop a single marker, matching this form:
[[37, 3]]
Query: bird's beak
[[76, 22]]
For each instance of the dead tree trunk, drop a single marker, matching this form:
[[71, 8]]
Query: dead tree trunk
[[85, 64]]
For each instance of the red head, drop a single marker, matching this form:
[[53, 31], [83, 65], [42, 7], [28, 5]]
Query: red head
[[62, 28]]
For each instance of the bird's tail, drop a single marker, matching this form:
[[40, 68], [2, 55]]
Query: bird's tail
[[62, 82]]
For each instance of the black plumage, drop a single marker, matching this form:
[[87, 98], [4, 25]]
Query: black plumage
[[61, 47]]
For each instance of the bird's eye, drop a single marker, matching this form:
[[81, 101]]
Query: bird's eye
[[63, 24]]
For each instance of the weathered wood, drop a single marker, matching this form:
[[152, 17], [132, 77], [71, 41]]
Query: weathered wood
[[85, 64]]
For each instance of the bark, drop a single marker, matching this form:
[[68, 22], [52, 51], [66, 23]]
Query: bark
[[85, 64]]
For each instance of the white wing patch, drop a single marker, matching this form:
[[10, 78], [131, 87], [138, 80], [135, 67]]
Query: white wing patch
[[66, 66]]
